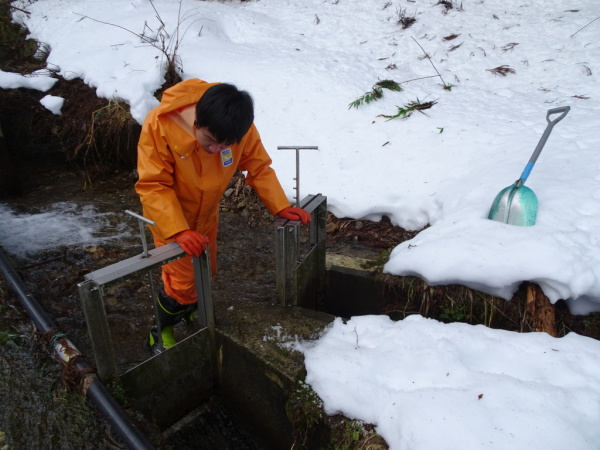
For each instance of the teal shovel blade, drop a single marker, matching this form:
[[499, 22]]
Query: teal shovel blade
[[515, 206]]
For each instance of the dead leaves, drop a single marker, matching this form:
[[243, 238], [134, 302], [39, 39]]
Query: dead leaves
[[502, 70]]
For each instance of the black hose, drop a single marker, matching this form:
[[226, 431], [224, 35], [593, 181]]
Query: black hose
[[117, 417], [96, 391], [39, 317]]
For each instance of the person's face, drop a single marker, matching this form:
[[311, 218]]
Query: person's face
[[207, 141]]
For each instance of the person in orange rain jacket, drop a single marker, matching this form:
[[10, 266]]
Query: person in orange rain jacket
[[189, 149]]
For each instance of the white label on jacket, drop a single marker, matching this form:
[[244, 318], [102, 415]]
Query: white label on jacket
[[226, 157]]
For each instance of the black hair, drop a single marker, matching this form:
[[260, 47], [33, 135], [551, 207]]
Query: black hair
[[226, 111]]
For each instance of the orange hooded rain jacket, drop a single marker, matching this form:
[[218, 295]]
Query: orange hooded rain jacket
[[180, 185]]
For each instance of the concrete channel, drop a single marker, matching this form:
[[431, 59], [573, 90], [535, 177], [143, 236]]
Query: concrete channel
[[242, 358], [256, 376]]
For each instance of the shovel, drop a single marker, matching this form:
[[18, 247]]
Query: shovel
[[517, 204]]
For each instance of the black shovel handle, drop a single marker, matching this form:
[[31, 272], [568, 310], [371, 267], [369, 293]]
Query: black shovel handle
[[563, 110]]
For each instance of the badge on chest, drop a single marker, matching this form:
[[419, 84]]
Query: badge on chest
[[226, 157]]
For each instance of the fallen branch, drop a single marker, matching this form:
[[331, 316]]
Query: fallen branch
[[407, 110]]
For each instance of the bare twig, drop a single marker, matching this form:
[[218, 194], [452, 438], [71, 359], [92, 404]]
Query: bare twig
[[585, 26], [167, 44], [158, 15], [19, 9], [445, 85], [141, 36], [420, 78]]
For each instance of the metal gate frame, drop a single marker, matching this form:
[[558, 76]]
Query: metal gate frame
[[300, 256], [156, 384], [91, 292]]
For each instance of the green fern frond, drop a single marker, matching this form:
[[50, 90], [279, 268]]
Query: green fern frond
[[390, 85], [376, 92]]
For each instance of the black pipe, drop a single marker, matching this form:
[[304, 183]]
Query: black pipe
[[96, 391]]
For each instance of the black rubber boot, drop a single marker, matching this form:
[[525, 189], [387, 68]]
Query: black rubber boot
[[169, 313]]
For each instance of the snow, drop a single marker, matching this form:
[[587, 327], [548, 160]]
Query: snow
[[53, 103], [304, 63], [430, 385], [39, 80]]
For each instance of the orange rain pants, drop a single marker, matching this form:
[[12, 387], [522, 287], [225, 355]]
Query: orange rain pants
[[178, 276]]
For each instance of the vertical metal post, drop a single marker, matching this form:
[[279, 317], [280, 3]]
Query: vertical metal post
[[280, 266], [206, 315], [286, 270], [297, 148], [202, 275], [95, 316], [318, 239], [298, 196], [291, 261], [141, 221]]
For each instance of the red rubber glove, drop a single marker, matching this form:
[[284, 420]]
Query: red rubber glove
[[192, 242], [291, 213]]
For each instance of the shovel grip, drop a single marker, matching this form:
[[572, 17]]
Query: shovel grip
[[563, 110], [526, 171]]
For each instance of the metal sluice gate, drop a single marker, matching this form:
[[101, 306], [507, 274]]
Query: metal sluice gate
[[156, 384]]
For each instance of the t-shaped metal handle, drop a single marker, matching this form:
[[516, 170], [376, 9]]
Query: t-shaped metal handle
[[297, 148]]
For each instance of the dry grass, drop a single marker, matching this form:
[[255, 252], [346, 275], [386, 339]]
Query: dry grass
[[404, 20], [456, 303], [110, 141]]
